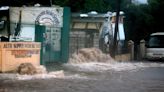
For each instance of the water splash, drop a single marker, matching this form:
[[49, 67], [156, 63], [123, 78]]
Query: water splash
[[41, 73], [115, 66], [88, 60], [13, 76], [55, 74], [93, 60], [86, 55]]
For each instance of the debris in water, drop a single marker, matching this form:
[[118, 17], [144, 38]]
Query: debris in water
[[86, 55]]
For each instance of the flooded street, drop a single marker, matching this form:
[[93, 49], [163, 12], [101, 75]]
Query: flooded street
[[90, 71], [81, 46], [94, 77]]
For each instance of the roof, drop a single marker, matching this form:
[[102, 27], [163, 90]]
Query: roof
[[4, 8], [157, 33], [87, 15], [94, 14]]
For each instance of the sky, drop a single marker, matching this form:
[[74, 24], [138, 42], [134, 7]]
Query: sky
[[141, 1]]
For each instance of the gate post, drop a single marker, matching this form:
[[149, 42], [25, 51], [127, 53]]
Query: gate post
[[142, 49], [65, 35], [39, 37], [131, 49]]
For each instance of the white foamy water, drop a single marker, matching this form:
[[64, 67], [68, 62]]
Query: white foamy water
[[87, 60], [93, 60], [55, 74], [116, 66], [77, 76], [12, 76], [85, 67]]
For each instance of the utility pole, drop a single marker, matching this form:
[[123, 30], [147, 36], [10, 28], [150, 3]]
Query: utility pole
[[116, 28], [50, 2]]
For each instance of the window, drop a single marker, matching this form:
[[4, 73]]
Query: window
[[156, 41]]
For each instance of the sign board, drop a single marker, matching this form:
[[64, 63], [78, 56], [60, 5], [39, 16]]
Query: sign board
[[12, 54], [31, 15]]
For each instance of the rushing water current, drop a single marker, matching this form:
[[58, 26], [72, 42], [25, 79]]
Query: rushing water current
[[86, 62], [90, 70]]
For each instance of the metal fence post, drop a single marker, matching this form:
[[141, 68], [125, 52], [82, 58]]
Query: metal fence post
[[131, 49]]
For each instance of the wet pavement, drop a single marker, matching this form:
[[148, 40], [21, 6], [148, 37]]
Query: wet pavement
[[95, 77]]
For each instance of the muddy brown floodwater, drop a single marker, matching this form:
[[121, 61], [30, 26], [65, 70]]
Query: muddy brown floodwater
[[85, 73], [95, 77]]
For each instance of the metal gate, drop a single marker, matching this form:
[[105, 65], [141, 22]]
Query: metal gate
[[55, 40]]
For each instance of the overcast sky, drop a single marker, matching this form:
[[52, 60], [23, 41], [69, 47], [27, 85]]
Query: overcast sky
[[141, 1]]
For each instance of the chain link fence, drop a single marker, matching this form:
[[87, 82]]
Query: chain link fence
[[83, 39]]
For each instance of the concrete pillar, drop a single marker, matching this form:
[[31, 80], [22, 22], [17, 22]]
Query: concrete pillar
[[142, 49], [131, 49]]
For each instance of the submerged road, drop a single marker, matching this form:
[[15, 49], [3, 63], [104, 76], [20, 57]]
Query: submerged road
[[138, 79]]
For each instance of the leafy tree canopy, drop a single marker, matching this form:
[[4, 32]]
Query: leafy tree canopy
[[140, 20]]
